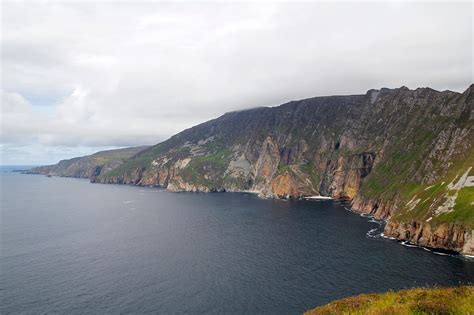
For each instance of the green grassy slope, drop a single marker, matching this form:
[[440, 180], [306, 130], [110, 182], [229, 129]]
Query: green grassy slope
[[89, 165], [395, 152], [456, 300]]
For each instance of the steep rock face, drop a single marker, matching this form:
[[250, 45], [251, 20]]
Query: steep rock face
[[379, 208], [439, 215], [89, 166], [449, 236], [379, 150]]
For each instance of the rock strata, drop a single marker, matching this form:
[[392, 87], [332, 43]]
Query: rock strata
[[397, 154], [382, 151]]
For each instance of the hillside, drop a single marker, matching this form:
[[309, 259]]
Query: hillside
[[88, 166], [398, 154], [458, 300]]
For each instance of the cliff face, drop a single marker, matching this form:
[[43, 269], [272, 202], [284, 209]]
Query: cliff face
[[89, 166], [395, 153]]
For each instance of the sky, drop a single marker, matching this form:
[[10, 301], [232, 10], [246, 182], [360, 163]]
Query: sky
[[82, 76]]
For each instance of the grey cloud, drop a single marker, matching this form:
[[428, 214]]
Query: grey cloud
[[132, 73]]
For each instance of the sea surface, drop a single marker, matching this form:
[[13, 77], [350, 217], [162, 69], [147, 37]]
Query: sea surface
[[69, 246]]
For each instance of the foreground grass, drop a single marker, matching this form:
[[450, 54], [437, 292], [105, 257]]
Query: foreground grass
[[455, 300]]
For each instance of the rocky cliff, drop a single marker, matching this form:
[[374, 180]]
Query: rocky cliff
[[398, 154], [89, 166]]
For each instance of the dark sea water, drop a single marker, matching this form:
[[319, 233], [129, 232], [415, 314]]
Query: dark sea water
[[69, 246]]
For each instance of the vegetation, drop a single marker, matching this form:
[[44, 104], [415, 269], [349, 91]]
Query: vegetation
[[400, 146], [282, 169], [463, 209], [85, 166], [455, 300], [140, 160], [310, 170], [202, 168], [390, 177], [430, 197]]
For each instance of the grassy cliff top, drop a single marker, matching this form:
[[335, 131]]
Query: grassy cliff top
[[455, 300], [84, 165]]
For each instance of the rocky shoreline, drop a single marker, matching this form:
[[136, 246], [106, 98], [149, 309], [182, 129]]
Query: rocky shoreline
[[451, 237], [404, 156]]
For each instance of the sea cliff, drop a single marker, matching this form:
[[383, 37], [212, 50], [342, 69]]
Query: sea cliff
[[405, 156], [89, 166]]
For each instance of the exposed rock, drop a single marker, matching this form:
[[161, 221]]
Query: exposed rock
[[381, 151], [89, 166], [447, 236]]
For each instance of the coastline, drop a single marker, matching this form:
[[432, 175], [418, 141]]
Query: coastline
[[382, 223], [347, 205]]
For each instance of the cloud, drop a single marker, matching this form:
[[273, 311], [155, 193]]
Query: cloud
[[109, 74]]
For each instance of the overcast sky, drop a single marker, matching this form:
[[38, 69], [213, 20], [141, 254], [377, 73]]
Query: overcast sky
[[81, 77]]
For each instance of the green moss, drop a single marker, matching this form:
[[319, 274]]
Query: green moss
[[236, 182], [259, 180], [310, 170], [391, 177], [141, 160], [207, 169], [282, 169]]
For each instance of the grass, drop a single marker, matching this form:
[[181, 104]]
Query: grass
[[140, 160], [310, 170], [464, 207], [452, 300], [83, 165], [433, 195], [282, 169], [213, 164], [387, 179], [236, 182], [397, 178]]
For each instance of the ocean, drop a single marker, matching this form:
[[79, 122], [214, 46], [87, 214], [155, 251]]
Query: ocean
[[70, 246]]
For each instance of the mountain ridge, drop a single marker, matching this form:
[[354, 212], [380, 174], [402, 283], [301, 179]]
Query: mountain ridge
[[377, 150], [88, 166], [397, 154]]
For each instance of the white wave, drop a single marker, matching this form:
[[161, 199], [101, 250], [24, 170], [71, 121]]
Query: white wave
[[405, 243], [468, 257], [370, 233], [256, 192], [373, 220], [318, 198], [129, 201], [388, 237]]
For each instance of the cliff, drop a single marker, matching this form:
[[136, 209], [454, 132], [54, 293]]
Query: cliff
[[88, 166], [398, 154]]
